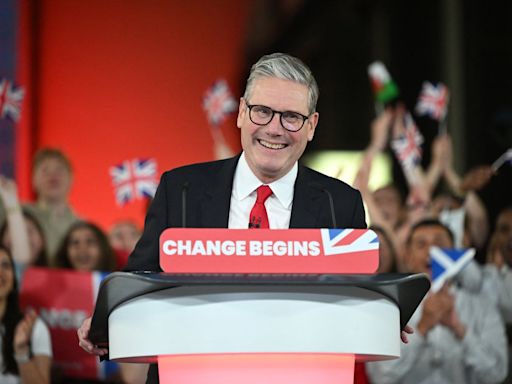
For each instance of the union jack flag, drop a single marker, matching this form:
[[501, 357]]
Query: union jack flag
[[407, 146], [433, 101], [10, 100], [134, 179], [218, 102], [446, 263], [341, 241]]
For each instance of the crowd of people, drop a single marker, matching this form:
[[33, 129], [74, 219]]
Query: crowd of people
[[460, 331], [48, 233]]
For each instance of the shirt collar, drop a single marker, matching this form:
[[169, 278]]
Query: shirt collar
[[245, 182]]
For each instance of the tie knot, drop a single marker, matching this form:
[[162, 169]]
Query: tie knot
[[263, 193]]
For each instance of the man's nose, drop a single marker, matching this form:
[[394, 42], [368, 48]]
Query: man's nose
[[274, 126]]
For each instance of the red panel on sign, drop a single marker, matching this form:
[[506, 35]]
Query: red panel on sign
[[215, 250]]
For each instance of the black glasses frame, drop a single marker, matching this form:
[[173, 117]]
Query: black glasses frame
[[251, 106]]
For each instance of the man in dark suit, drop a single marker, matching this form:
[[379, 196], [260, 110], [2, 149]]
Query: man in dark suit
[[277, 118]]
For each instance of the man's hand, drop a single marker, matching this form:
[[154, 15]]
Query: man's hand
[[8, 193], [476, 178], [85, 343], [434, 309], [408, 330], [23, 333], [452, 321]]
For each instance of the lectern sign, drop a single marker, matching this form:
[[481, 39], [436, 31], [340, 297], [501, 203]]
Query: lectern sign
[[216, 250]]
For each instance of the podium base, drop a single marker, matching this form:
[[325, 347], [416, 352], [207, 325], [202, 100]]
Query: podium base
[[271, 368]]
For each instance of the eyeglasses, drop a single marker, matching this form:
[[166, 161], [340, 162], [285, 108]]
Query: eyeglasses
[[262, 115]]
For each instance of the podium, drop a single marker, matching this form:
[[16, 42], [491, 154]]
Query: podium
[[254, 328]]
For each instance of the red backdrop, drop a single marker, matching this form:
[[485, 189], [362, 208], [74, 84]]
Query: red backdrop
[[121, 79]]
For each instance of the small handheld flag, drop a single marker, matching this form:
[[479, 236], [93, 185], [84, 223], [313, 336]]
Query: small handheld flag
[[433, 101], [10, 100], [218, 102], [407, 146], [383, 86], [446, 263], [134, 179], [504, 158]]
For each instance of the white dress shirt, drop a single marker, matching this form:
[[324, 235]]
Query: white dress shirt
[[243, 197]]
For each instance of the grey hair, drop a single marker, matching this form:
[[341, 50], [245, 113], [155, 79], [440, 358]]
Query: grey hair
[[284, 67]]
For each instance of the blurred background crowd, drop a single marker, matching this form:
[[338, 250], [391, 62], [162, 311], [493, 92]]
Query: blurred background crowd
[[101, 90]]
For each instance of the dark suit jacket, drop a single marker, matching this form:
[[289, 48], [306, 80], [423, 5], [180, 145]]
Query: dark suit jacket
[[207, 187], [207, 190]]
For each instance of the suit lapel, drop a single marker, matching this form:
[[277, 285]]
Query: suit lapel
[[306, 204], [217, 197]]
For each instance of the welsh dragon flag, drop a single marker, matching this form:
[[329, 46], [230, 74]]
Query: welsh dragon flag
[[383, 86]]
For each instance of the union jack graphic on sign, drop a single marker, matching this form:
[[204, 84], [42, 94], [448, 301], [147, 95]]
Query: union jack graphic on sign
[[10, 100], [134, 179], [407, 146], [340, 241], [218, 102], [433, 101]]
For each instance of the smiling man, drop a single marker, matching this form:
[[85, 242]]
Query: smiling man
[[264, 186]]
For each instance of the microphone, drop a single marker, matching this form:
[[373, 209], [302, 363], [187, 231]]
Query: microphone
[[184, 190], [255, 222], [331, 201]]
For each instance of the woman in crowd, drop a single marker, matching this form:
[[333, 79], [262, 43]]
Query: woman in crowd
[[86, 248], [26, 345]]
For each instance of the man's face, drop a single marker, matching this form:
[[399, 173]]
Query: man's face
[[417, 256], [52, 180], [270, 150], [389, 203]]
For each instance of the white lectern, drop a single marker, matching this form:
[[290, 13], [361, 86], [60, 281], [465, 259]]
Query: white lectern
[[249, 328]]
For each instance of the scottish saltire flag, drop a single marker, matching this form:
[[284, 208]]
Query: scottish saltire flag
[[134, 179], [407, 146], [383, 86], [504, 158], [218, 102], [433, 101], [446, 263], [63, 298], [11, 98]]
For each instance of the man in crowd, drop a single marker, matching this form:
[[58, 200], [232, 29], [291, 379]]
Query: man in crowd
[[460, 336], [52, 177]]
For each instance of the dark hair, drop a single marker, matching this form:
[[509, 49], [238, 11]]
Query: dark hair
[[107, 256], [41, 259], [12, 317], [429, 223]]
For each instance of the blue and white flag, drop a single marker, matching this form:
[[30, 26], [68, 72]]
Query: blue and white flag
[[446, 263]]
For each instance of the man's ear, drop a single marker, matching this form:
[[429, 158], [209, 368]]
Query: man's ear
[[241, 113], [311, 124]]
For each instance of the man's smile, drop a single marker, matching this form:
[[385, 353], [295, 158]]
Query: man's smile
[[269, 145]]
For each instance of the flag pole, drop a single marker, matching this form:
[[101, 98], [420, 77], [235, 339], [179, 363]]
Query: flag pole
[[442, 128], [502, 160]]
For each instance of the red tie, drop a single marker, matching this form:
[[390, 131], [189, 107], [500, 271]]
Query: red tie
[[258, 217]]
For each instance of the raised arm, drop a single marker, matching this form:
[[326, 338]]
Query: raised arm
[[20, 245]]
